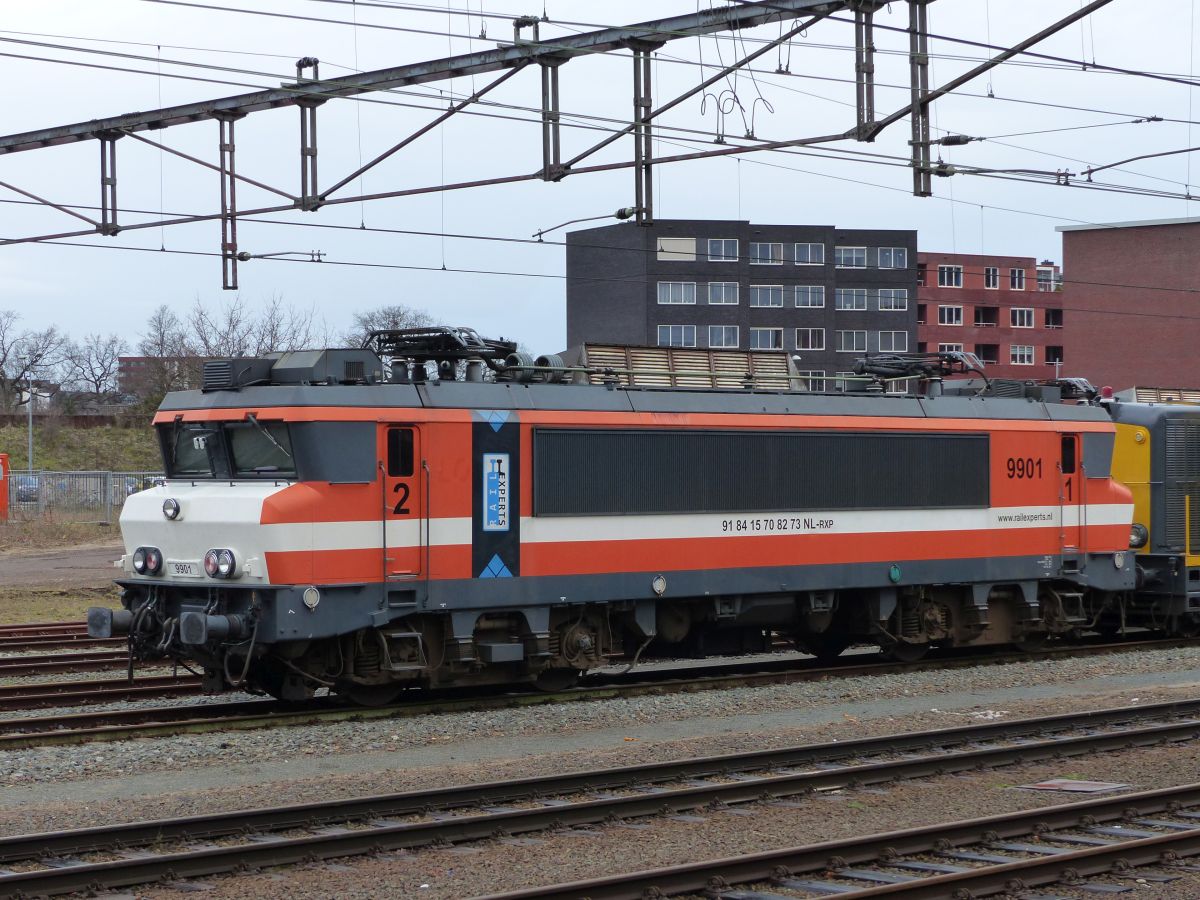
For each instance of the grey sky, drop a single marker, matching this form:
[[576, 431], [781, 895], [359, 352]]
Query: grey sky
[[89, 289]]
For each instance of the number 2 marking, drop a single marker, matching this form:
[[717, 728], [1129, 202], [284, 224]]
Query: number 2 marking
[[402, 489]]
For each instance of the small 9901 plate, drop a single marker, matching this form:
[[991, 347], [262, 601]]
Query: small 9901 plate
[[182, 569]]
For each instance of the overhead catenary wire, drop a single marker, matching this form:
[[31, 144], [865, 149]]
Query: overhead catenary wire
[[492, 103], [898, 161], [325, 261], [550, 242]]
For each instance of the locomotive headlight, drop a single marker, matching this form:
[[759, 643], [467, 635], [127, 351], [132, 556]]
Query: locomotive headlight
[[170, 508], [139, 560], [1138, 536], [220, 564], [153, 560]]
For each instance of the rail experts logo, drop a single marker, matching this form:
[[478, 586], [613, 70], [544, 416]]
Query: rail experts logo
[[495, 492]]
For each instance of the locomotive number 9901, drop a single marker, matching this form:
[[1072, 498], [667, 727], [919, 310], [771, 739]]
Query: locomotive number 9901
[[1024, 467]]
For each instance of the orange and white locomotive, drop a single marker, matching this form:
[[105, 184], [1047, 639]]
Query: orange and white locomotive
[[332, 520]]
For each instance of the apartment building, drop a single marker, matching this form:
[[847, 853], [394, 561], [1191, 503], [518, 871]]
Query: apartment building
[[824, 294], [1132, 290], [1007, 310]]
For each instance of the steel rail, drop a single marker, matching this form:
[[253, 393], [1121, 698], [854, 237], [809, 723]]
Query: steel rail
[[19, 733], [383, 832], [43, 628], [54, 663], [56, 641], [69, 693], [778, 866]]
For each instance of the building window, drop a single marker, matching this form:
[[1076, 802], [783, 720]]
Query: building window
[[1054, 318], [810, 338], [812, 380], [674, 249], [850, 257], [1054, 355], [950, 276], [676, 293], [987, 316], [810, 254], [766, 338], [766, 295], [1021, 317], [844, 379], [1046, 280], [922, 269], [950, 348], [850, 298], [1016, 279], [810, 295], [723, 336], [722, 250], [991, 278], [920, 313], [677, 335], [893, 342], [893, 299], [893, 258], [950, 315], [989, 354], [1021, 354], [723, 293], [766, 254], [851, 342]]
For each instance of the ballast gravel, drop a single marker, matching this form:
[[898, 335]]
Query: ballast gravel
[[432, 738]]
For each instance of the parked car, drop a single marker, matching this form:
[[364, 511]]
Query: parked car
[[27, 488]]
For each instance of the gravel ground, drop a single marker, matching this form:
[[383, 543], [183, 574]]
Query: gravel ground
[[59, 787], [652, 717], [445, 874]]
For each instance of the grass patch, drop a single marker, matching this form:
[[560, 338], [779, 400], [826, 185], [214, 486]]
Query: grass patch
[[60, 447], [46, 534], [21, 605]]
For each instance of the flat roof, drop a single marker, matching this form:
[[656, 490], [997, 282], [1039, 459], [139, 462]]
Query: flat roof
[[1141, 223]]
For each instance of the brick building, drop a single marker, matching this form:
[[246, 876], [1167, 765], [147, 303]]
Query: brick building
[[1134, 297], [1007, 310], [825, 294]]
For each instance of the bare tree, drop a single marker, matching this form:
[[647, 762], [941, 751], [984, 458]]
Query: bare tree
[[92, 364], [221, 332], [279, 328], [167, 364], [26, 353], [381, 318]]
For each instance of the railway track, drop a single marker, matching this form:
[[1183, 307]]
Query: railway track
[[51, 635], [81, 693], [20, 733], [56, 862], [27, 665], [1006, 854]]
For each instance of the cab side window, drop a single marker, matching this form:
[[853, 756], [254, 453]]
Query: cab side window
[[400, 452], [1068, 454]]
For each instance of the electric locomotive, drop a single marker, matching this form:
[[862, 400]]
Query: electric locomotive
[[1157, 455], [438, 509]]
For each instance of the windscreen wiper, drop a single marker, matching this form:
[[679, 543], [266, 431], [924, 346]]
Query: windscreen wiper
[[270, 437]]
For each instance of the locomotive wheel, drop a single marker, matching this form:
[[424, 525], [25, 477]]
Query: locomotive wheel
[[370, 694], [553, 680], [826, 648], [903, 651], [1031, 643]]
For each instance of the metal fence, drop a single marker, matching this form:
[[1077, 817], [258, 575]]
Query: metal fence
[[73, 496]]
